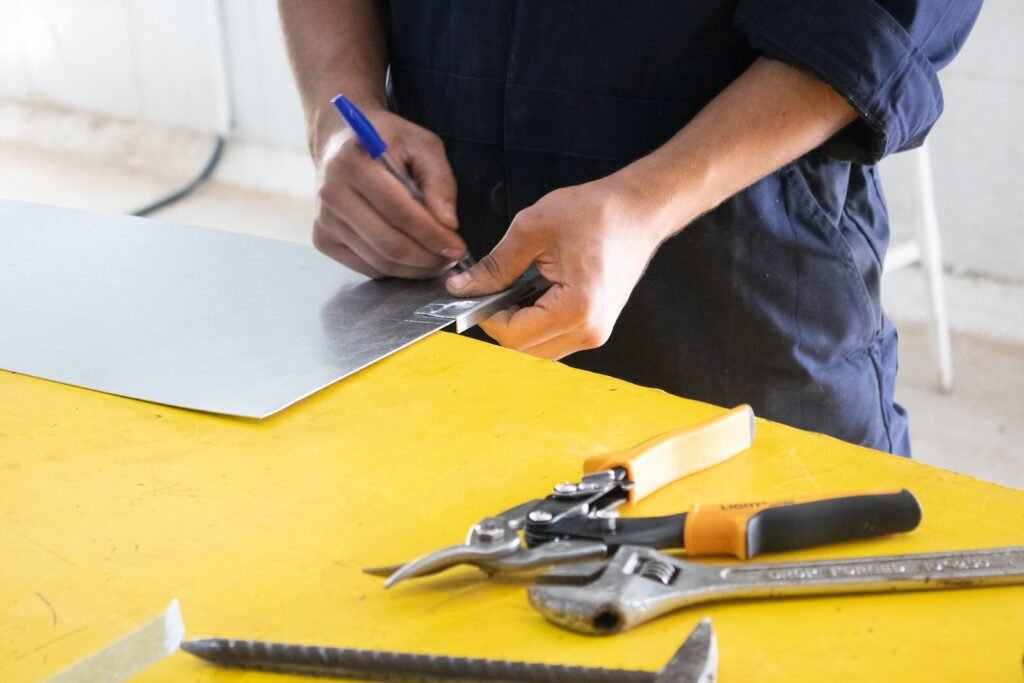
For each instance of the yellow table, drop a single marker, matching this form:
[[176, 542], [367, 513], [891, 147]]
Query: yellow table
[[111, 507]]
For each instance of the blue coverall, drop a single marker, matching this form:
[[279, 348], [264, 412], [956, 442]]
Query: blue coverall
[[772, 299]]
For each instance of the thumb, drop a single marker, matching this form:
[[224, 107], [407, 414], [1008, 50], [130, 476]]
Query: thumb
[[496, 271], [433, 175]]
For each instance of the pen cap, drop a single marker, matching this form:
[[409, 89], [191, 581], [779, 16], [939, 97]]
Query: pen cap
[[363, 129]]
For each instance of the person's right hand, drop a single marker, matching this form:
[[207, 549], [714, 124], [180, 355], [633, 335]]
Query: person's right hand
[[367, 220]]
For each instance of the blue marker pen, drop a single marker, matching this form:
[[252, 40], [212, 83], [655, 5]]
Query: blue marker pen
[[377, 149]]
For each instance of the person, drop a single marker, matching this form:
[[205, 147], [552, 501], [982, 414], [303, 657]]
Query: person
[[696, 179]]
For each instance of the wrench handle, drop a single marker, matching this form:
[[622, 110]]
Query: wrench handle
[[640, 584], [959, 569]]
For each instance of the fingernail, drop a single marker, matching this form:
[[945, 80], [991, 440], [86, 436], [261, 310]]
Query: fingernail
[[450, 217], [459, 280], [452, 254]]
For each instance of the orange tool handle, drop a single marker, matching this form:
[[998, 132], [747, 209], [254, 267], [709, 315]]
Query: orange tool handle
[[748, 529], [671, 456]]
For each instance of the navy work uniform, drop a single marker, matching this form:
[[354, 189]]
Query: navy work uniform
[[771, 299]]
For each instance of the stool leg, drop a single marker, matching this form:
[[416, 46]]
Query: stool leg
[[931, 259]]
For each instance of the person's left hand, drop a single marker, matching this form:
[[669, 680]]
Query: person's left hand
[[592, 242]]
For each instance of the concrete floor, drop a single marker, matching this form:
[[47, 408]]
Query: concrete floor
[[975, 430]]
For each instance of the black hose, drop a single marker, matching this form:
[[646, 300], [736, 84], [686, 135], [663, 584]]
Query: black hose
[[192, 186]]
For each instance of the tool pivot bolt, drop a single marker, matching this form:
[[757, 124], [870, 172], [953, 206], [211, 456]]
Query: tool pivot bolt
[[489, 533], [609, 519], [566, 487], [540, 516]]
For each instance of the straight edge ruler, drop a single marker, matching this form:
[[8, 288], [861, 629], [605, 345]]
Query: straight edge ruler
[[466, 313]]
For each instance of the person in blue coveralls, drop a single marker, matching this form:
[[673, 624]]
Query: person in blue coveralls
[[696, 179]]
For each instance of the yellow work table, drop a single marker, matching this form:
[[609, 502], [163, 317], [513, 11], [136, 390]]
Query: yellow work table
[[110, 507]]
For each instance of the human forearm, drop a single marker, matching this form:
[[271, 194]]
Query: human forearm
[[593, 241], [335, 46], [364, 218], [773, 113]]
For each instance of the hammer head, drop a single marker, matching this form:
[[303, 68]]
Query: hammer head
[[696, 660]]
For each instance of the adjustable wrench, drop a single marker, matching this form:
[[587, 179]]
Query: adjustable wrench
[[639, 584]]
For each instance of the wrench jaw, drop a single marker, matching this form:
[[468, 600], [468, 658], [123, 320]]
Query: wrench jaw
[[571, 596], [602, 598]]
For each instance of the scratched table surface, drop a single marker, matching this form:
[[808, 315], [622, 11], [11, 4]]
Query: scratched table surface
[[110, 507]]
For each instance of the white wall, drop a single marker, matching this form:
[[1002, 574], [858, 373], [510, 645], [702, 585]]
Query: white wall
[[152, 59], [977, 151]]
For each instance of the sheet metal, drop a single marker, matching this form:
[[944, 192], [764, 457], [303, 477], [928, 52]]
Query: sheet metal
[[192, 317]]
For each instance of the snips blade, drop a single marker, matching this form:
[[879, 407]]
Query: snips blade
[[487, 541], [445, 558]]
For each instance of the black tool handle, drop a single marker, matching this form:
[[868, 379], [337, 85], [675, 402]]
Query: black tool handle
[[751, 529], [653, 532], [748, 529]]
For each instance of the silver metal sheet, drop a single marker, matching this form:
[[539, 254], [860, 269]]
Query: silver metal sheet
[[192, 317]]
